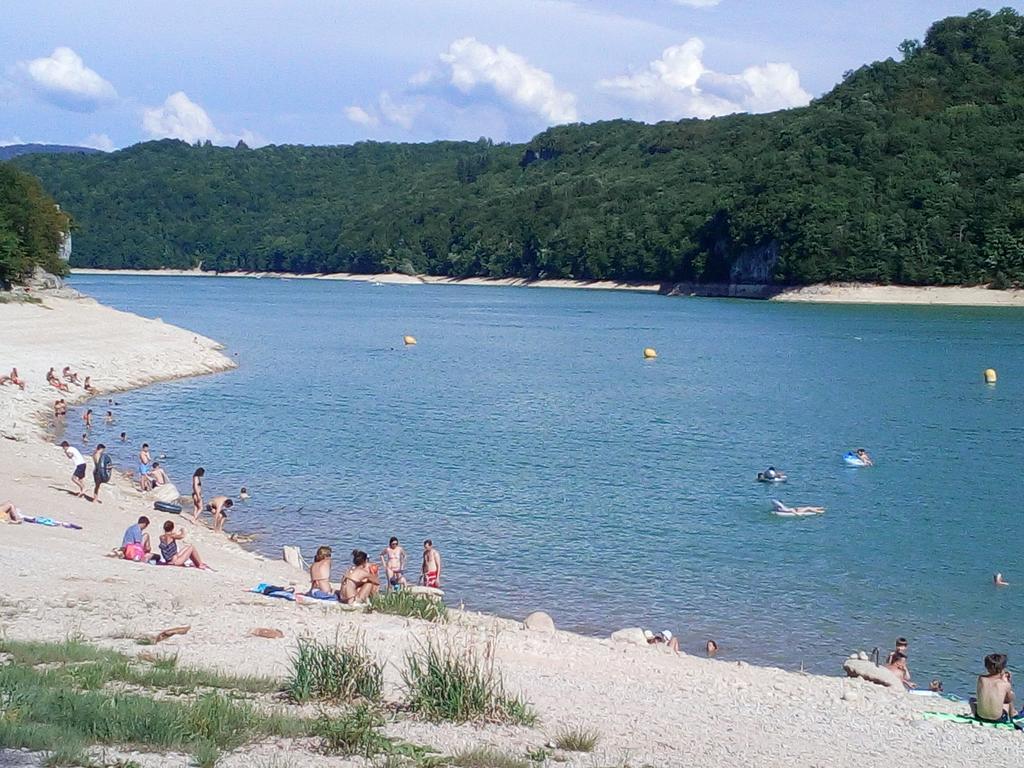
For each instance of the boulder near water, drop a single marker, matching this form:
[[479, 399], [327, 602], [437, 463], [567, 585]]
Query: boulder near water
[[538, 621], [870, 671], [629, 636]]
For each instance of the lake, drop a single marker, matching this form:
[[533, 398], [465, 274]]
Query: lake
[[556, 469]]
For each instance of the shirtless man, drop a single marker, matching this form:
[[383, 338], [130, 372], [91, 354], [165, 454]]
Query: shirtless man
[[197, 493], [320, 575], [784, 510], [995, 691], [430, 574], [999, 581], [393, 560], [217, 507], [158, 476], [145, 461], [359, 583], [863, 456], [898, 666]]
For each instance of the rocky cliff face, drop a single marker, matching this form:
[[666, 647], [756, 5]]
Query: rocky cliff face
[[755, 265]]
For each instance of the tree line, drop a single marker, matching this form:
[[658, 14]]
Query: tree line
[[908, 171], [32, 228]]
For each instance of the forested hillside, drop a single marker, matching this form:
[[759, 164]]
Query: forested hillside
[[909, 171], [31, 227]]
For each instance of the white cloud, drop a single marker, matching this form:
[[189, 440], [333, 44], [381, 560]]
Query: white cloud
[[180, 118], [472, 63], [360, 116], [98, 141], [63, 79], [12, 141], [678, 85]]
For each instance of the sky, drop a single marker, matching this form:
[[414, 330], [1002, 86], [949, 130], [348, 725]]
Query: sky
[[108, 74]]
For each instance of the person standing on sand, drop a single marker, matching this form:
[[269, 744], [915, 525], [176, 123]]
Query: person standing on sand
[[217, 507], [79, 461], [197, 494], [101, 470], [145, 467], [431, 572], [393, 559], [320, 575]]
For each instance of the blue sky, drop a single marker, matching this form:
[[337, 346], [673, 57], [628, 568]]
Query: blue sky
[[109, 74]]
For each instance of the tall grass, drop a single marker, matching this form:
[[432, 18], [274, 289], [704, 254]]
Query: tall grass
[[445, 684], [486, 757], [406, 603], [356, 733], [334, 672]]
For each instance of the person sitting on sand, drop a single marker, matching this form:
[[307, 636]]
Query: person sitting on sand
[[902, 646], [898, 666], [197, 493], [13, 378], [135, 542], [783, 509], [87, 385], [158, 476], [217, 507], [999, 581], [662, 638], [53, 381], [175, 555], [11, 512], [360, 583], [430, 573], [994, 702], [863, 456], [320, 575], [393, 559]]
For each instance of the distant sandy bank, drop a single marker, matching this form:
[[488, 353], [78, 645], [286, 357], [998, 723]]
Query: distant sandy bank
[[388, 278], [823, 293]]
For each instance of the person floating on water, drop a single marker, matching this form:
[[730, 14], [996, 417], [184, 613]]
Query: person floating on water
[[999, 581], [393, 559], [863, 456], [244, 493], [711, 648], [994, 702], [782, 509]]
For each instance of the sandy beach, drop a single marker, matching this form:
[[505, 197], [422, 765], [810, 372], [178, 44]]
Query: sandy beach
[[649, 707]]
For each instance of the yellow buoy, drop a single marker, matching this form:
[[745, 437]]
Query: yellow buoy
[[990, 376], [650, 353], [410, 341]]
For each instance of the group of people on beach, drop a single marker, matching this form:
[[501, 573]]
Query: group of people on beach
[[136, 545], [362, 579]]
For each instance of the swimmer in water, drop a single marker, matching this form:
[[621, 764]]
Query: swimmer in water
[[863, 456], [711, 648], [244, 493], [782, 509], [999, 581]]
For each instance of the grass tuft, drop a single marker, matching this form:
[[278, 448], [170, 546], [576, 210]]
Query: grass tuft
[[577, 740], [334, 672], [444, 684], [405, 603]]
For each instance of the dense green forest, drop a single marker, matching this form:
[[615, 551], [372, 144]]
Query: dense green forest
[[31, 227], [908, 171]]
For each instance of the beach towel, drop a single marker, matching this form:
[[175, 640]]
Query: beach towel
[[1007, 725], [51, 523], [269, 590]]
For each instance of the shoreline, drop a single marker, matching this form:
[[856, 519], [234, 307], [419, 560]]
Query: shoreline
[[633, 696], [821, 293]]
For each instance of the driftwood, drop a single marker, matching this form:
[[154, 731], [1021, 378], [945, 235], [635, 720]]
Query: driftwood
[[161, 636]]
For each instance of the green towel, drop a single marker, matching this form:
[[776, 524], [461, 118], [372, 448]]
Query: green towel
[[968, 720]]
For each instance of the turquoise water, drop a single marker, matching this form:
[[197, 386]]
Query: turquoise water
[[556, 469]]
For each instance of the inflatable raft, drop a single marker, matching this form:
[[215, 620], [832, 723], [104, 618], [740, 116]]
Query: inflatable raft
[[851, 459], [166, 506]]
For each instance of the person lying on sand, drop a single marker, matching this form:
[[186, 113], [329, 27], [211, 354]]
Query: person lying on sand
[[662, 638], [13, 378], [320, 575], [393, 559], [360, 582], [53, 381], [135, 542], [430, 573], [11, 512], [175, 555], [218, 507], [994, 702]]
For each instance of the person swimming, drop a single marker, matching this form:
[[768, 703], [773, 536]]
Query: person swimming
[[244, 493], [782, 509], [999, 581], [863, 456]]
